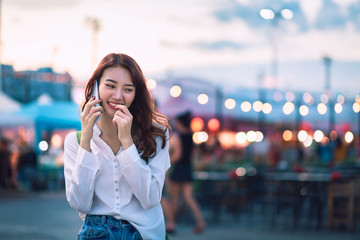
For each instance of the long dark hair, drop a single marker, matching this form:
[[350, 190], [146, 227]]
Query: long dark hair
[[148, 122]]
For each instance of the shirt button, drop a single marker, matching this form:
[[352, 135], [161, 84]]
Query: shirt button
[[116, 181], [116, 189]]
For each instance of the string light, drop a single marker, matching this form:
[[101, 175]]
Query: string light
[[288, 108], [304, 110], [203, 98], [230, 103], [322, 109], [257, 106], [349, 137], [175, 91], [338, 108], [245, 106], [287, 135], [267, 108], [151, 84]]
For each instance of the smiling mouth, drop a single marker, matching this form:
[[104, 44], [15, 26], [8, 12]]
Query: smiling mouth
[[113, 105]]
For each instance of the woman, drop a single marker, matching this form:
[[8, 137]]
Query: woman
[[181, 175], [115, 171]]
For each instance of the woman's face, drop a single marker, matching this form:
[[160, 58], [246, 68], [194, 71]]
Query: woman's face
[[116, 87]]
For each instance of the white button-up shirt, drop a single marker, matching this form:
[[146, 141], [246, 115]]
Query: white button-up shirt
[[121, 185]]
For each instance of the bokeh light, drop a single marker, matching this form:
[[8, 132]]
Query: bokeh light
[[287, 135], [200, 137], [338, 108], [288, 108], [175, 91], [230, 103], [151, 84], [349, 137], [321, 108], [267, 108], [251, 136], [203, 98], [257, 106], [289, 96], [213, 125], [56, 141], [304, 110], [197, 124], [245, 106], [302, 135], [43, 146], [318, 136], [324, 98], [356, 107]]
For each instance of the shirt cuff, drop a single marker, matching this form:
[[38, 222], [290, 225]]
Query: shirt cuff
[[87, 159], [128, 156]]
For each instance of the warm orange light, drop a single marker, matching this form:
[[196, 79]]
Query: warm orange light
[[213, 124], [287, 135], [197, 124]]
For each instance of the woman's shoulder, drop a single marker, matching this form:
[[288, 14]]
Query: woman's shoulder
[[71, 139]]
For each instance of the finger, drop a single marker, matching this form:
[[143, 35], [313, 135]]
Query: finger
[[120, 114], [92, 102], [124, 109], [96, 109], [94, 116]]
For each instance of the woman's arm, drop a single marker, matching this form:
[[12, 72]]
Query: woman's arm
[[146, 180], [81, 169], [175, 148]]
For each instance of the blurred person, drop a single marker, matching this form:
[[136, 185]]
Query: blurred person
[[115, 170], [5, 170], [26, 166], [181, 175], [174, 153]]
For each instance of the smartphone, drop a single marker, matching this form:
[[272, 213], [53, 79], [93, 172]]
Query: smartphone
[[95, 93]]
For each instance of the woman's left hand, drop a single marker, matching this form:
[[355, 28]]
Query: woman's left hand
[[123, 119]]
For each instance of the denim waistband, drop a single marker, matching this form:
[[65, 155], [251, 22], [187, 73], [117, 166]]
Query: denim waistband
[[109, 220]]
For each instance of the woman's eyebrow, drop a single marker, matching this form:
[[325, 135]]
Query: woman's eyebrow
[[110, 80]]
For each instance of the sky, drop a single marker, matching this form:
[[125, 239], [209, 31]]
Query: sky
[[224, 42]]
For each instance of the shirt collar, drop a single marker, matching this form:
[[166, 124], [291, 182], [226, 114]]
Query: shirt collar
[[96, 130]]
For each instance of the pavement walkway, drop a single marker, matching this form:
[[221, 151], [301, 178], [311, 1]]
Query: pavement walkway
[[47, 216]]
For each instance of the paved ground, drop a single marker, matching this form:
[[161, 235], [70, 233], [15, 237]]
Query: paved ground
[[47, 216]]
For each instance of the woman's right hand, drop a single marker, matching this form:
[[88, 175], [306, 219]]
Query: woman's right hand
[[88, 117]]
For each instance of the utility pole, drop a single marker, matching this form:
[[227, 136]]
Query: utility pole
[[327, 62], [95, 27], [1, 46]]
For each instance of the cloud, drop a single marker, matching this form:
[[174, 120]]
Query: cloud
[[43, 4], [218, 45]]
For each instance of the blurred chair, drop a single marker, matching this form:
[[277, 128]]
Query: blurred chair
[[285, 200], [341, 204]]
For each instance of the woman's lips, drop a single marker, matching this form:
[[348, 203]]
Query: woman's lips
[[113, 105]]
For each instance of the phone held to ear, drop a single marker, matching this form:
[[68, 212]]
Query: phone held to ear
[[95, 93]]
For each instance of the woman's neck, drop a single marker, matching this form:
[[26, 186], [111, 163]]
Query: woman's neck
[[107, 127]]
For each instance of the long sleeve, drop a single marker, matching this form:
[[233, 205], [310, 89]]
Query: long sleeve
[[146, 180], [81, 169]]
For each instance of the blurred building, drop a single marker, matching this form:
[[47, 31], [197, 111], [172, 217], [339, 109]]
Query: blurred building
[[26, 86]]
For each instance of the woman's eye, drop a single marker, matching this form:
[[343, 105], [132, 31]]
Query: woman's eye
[[110, 86], [129, 90]]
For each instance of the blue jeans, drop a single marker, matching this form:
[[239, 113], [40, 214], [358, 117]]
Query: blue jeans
[[107, 228]]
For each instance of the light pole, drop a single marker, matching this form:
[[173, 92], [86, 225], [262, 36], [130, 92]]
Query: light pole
[[327, 62], [275, 16], [94, 23]]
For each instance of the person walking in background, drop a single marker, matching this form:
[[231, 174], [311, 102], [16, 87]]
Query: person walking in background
[[5, 170], [115, 170], [181, 175]]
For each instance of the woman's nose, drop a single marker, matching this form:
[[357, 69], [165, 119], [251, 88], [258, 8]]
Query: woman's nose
[[118, 95]]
